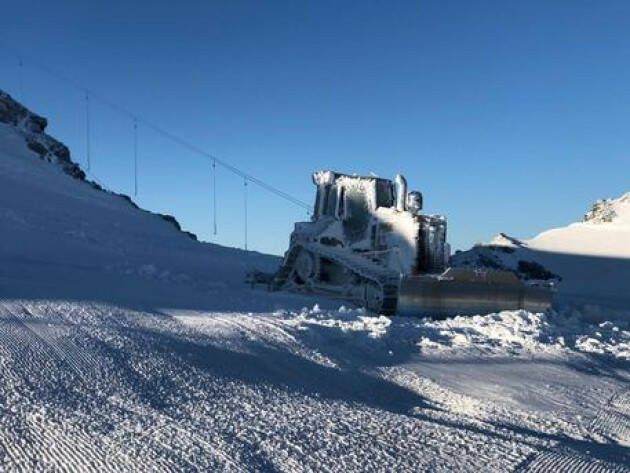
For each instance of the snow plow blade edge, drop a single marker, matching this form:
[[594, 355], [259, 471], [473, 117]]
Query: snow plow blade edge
[[469, 292]]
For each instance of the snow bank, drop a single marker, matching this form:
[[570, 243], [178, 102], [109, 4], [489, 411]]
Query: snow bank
[[504, 334], [525, 333]]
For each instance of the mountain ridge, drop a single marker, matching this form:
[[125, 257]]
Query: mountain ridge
[[32, 127]]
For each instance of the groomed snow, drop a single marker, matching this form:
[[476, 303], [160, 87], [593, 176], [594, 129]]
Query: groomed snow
[[95, 387]]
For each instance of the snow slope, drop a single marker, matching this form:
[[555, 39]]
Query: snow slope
[[127, 346], [605, 231], [62, 238]]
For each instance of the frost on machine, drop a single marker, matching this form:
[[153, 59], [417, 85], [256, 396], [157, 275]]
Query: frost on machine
[[368, 242]]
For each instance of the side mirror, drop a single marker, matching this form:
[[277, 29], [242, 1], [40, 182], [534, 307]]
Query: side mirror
[[414, 201]]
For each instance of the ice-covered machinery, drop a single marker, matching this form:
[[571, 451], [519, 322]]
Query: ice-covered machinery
[[368, 242]]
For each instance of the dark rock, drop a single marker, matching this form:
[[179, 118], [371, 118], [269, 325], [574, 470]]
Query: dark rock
[[489, 262], [128, 199], [61, 151], [534, 270], [190, 235], [79, 174], [331, 241], [171, 219], [501, 248], [514, 241], [36, 124], [14, 113], [602, 211], [36, 146]]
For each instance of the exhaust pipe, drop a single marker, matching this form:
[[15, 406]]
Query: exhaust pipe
[[401, 193]]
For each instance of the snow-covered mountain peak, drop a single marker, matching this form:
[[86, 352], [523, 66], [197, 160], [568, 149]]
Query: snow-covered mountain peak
[[615, 211], [503, 239]]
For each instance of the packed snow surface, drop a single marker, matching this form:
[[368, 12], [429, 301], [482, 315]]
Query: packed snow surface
[[92, 387], [127, 346]]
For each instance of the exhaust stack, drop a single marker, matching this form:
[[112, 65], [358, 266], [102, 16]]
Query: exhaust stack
[[401, 193]]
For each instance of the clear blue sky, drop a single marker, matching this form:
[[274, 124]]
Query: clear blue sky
[[509, 116]]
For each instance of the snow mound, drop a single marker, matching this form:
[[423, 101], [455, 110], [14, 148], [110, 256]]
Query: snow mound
[[504, 334], [522, 332]]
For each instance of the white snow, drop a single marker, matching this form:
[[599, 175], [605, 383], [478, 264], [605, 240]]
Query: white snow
[[127, 346], [594, 237], [605, 231]]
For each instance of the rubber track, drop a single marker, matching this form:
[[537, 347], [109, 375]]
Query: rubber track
[[386, 279]]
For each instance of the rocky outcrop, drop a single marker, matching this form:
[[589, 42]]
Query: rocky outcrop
[[606, 210], [16, 114], [33, 128], [172, 220], [517, 259], [601, 212]]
